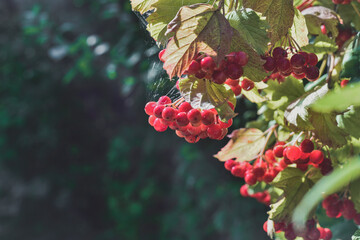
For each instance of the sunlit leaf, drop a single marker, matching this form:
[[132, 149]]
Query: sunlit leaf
[[299, 31]]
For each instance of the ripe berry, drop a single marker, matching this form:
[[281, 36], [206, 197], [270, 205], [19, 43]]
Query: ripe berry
[[265, 226], [357, 219], [250, 178], [218, 77], [343, 83], [214, 131], [194, 116], [247, 84], [259, 169], [236, 90], [244, 190], [298, 76], [297, 60], [207, 64], [229, 164], [323, 29], [293, 153], [313, 59], [200, 74], [151, 120], [159, 126], [269, 156], [149, 108], [238, 171], [283, 64], [242, 58], [279, 52], [226, 124], [194, 67], [158, 111], [233, 71], [306, 56], [278, 151], [161, 54], [312, 73], [316, 156], [164, 100], [192, 139], [232, 82], [207, 117], [307, 146], [182, 119], [348, 211], [185, 107], [169, 113], [270, 64]]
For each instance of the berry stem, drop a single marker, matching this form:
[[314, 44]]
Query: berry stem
[[297, 45], [269, 133], [331, 64], [293, 142], [322, 67], [355, 8]]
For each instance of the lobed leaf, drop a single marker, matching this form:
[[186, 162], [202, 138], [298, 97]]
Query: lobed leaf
[[142, 6], [322, 45], [279, 14], [318, 15], [197, 28], [349, 121], [299, 31], [245, 145]]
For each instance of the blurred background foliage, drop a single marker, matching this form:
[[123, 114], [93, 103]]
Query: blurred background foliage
[[78, 158]]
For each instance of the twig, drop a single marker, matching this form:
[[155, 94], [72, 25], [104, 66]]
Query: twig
[[331, 69], [236, 4], [322, 67], [270, 132]]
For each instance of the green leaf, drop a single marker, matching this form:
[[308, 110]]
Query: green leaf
[[251, 27], [253, 95], [245, 145], [349, 15], [164, 12], [318, 15], [295, 185], [142, 6], [356, 235], [198, 28], [299, 30], [327, 185], [339, 100], [205, 94], [279, 14], [281, 94], [322, 45], [254, 68], [349, 121]]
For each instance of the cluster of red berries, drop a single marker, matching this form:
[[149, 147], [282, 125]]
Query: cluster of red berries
[[262, 197], [236, 86], [300, 65], [336, 207], [189, 123], [311, 232], [344, 82], [266, 168], [204, 66], [343, 1]]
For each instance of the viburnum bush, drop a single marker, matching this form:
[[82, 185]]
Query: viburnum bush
[[299, 61]]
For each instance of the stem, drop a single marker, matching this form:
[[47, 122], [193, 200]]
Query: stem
[[322, 67], [355, 8], [331, 69], [297, 138], [270, 132], [236, 4], [297, 45], [231, 5]]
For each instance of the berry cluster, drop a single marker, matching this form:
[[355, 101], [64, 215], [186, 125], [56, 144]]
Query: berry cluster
[[275, 76], [336, 207], [204, 66], [189, 123], [300, 65], [266, 167], [262, 197], [311, 232]]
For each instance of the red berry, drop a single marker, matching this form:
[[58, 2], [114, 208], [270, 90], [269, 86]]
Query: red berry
[[298, 76], [236, 90], [283, 64], [244, 190], [323, 29], [200, 74], [269, 156], [218, 77], [194, 67], [302, 167], [344, 82], [328, 234], [151, 120], [306, 56], [297, 60], [270, 64], [169, 113], [233, 71], [159, 126], [242, 58], [164, 100], [185, 107], [229, 164], [279, 52], [293, 153], [316, 156], [312, 73], [192, 139], [182, 119], [357, 219], [238, 171], [278, 151], [250, 178], [259, 169], [232, 82], [194, 116], [207, 117], [265, 226], [161, 54], [313, 59], [348, 211], [307, 146], [207, 64], [158, 111], [247, 84], [149, 108], [214, 131], [226, 124]]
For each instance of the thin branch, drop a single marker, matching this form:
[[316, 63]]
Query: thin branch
[[355, 8]]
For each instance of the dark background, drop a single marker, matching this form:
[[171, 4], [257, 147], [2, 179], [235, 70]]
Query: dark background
[[78, 159]]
